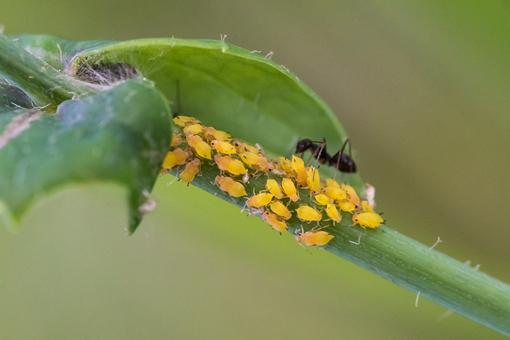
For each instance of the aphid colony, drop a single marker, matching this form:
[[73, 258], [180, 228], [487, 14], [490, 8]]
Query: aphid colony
[[288, 188]]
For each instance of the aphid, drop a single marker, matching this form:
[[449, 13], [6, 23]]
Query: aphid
[[190, 171], [230, 165], [250, 158], [176, 140], [176, 157], [182, 121], [314, 238], [193, 129], [259, 200], [273, 220], [308, 214], [352, 195], [273, 187], [230, 186], [244, 147], [318, 149], [366, 207], [368, 219], [335, 193], [211, 133], [298, 167], [330, 182], [200, 147], [322, 199], [284, 166], [346, 206], [313, 179], [333, 213], [223, 147], [280, 209], [290, 189]]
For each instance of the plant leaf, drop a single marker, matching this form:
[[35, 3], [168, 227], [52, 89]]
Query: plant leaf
[[221, 84], [118, 135]]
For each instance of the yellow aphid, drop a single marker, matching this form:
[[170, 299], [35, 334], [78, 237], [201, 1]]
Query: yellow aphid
[[259, 200], [314, 238], [352, 195], [230, 165], [176, 157], [193, 129], [182, 121], [366, 207], [298, 166], [322, 199], [245, 147], [190, 171], [273, 187], [335, 193], [290, 189], [313, 179], [176, 140], [330, 182], [333, 213], [346, 206], [200, 147], [249, 158], [223, 147], [273, 220], [230, 186], [211, 133], [368, 219], [280, 209], [285, 165], [308, 214]]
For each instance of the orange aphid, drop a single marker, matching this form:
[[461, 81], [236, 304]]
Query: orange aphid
[[223, 147], [314, 238], [333, 213], [176, 157], [366, 207], [245, 147], [190, 171], [298, 167], [211, 133], [193, 129], [352, 195], [273, 220], [182, 121], [259, 200], [200, 147], [308, 214], [290, 189], [176, 140], [230, 165], [346, 206], [230, 186], [335, 193], [285, 165], [273, 187], [313, 179], [322, 199], [280, 209], [368, 219]]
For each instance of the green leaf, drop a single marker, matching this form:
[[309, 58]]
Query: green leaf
[[119, 135], [223, 85]]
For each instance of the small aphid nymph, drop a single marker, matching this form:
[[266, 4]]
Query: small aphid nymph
[[259, 200], [230, 186], [190, 171], [314, 238], [308, 214], [369, 220]]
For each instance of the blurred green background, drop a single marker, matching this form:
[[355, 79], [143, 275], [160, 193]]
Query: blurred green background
[[423, 89]]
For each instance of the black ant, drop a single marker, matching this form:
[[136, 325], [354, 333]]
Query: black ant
[[341, 161]]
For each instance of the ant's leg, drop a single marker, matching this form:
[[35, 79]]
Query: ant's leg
[[339, 155]]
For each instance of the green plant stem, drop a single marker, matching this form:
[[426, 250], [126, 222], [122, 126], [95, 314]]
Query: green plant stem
[[44, 84], [408, 263]]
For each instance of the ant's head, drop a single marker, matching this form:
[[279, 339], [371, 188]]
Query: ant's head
[[303, 145]]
